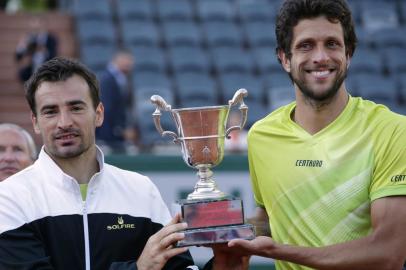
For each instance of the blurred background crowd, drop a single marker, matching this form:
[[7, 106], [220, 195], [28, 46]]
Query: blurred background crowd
[[191, 52]]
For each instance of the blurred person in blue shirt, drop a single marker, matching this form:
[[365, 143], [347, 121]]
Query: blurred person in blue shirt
[[117, 134]]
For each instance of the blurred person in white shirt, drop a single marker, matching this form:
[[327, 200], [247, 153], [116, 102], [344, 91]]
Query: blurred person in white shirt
[[17, 149]]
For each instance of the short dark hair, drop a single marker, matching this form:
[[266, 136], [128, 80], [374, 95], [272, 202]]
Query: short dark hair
[[292, 11], [61, 69]]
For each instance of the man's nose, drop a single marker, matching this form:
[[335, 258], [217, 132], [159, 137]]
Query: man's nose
[[8, 155], [320, 55], [65, 120]]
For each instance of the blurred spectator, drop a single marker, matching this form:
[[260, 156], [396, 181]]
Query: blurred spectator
[[3, 4], [35, 48], [17, 149], [13, 6], [117, 134], [238, 138]]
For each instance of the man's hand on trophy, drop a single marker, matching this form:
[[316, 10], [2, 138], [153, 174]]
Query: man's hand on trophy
[[260, 246], [160, 247]]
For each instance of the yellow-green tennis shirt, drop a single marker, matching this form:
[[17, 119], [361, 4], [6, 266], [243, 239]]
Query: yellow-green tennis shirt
[[317, 189]]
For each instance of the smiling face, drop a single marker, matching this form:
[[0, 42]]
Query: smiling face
[[65, 117], [318, 62], [14, 153]]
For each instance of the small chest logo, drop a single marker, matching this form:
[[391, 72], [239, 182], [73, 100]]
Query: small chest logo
[[120, 225], [309, 163]]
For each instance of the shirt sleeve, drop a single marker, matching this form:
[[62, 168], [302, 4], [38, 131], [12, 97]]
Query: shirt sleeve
[[253, 177], [21, 245], [389, 175]]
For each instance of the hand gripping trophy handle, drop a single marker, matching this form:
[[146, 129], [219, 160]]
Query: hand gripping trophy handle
[[239, 98], [161, 104]]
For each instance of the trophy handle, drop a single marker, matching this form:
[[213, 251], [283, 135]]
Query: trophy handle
[[161, 104], [239, 98]]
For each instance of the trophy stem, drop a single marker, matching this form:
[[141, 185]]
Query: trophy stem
[[205, 188]]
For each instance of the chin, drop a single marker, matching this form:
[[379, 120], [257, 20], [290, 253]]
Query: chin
[[68, 152]]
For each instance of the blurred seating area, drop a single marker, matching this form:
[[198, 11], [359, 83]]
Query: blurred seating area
[[13, 27], [199, 52]]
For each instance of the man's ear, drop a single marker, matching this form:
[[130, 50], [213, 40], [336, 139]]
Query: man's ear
[[349, 58], [99, 114], [34, 121], [284, 60]]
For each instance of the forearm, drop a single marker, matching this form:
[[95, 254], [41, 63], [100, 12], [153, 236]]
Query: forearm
[[383, 249], [260, 220], [230, 262], [365, 253]]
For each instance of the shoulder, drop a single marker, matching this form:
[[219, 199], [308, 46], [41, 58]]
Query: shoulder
[[275, 122], [16, 193], [385, 129], [106, 77], [22, 180], [134, 187], [380, 117], [129, 178]]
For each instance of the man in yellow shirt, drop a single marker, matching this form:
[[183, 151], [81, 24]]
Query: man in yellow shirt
[[328, 170]]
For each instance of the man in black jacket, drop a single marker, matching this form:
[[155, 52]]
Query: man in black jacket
[[71, 210]]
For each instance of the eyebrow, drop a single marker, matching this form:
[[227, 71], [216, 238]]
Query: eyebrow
[[69, 103], [313, 39], [76, 102]]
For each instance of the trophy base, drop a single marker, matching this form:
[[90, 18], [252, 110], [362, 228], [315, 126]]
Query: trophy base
[[211, 213], [216, 235]]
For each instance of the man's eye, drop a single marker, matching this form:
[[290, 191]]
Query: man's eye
[[18, 149], [76, 108], [49, 112], [305, 46], [332, 44]]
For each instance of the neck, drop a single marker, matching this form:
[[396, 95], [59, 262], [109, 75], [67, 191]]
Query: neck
[[313, 116], [82, 167]]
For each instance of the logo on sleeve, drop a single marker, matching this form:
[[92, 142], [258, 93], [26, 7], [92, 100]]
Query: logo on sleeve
[[398, 178], [120, 225]]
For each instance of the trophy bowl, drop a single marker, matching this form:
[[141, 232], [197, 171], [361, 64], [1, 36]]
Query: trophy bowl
[[201, 132]]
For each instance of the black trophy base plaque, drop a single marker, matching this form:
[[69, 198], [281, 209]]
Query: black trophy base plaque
[[213, 221]]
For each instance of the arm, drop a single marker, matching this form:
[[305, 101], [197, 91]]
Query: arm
[[109, 98], [159, 251], [224, 259], [382, 249], [21, 249], [260, 220], [160, 246]]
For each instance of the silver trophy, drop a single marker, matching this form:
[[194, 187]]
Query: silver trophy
[[212, 215]]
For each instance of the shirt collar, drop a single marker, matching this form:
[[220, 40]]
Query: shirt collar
[[53, 171]]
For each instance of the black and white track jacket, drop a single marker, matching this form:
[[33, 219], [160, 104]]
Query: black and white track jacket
[[45, 224]]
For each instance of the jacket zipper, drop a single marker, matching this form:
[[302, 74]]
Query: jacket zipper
[[86, 235]]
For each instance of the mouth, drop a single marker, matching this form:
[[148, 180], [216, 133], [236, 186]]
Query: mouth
[[321, 74], [66, 138], [9, 170]]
